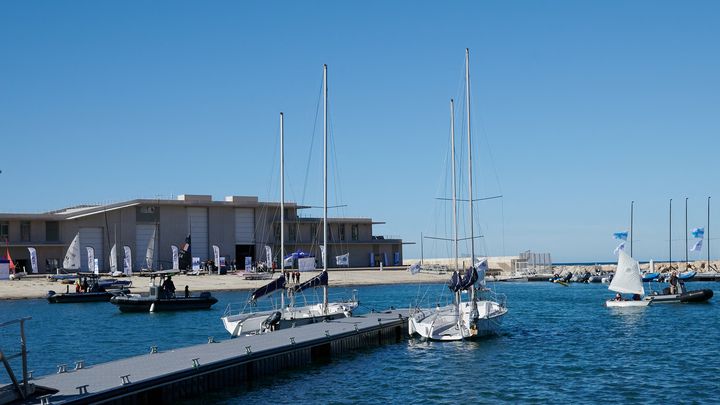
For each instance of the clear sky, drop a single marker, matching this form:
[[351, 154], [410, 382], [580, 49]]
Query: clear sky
[[578, 108]]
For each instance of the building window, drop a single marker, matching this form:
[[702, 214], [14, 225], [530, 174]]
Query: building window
[[4, 231], [355, 232], [52, 231], [341, 231], [25, 231], [313, 232], [293, 232]]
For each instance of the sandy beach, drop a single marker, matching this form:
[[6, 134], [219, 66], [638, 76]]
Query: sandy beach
[[37, 287]]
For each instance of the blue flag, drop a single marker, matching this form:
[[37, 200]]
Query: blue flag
[[620, 235], [698, 232]]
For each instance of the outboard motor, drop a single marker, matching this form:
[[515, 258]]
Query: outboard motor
[[50, 293], [271, 321]]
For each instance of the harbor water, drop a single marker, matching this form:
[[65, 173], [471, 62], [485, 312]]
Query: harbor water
[[558, 344]]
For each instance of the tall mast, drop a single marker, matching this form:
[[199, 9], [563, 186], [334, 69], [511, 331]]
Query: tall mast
[[470, 182], [707, 232], [282, 203], [632, 204], [454, 190], [282, 191], [325, 139], [670, 238], [686, 236]]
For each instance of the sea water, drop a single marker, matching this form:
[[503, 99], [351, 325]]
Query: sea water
[[557, 344]]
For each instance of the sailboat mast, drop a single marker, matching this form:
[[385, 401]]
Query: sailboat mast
[[454, 189], [686, 237], [670, 238], [325, 147], [282, 200], [707, 232], [282, 189], [632, 206], [470, 181]]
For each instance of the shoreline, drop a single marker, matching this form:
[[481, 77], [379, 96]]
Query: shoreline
[[37, 287]]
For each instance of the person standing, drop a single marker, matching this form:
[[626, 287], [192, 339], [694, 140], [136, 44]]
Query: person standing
[[673, 282]]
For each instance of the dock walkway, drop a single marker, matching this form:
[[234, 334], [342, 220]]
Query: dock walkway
[[167, 376]]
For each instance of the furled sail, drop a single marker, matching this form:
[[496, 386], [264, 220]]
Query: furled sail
[[320, 279], [72, 257], [268, 288], [454, 283], [470, 277], [627, 278]]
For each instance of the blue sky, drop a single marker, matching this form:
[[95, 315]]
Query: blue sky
[[578, 108]]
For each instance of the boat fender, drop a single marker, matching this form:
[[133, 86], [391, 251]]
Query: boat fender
[[152, 307]]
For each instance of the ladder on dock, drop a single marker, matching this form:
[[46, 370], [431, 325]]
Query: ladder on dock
[[19, 390]]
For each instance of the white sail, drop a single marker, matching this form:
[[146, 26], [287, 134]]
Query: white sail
[[72, 257], [150, 252], [113, 259], [627, 278]]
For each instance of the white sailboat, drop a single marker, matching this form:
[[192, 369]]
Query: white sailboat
[[477, 317], [72, 256], [150, 252], [627, 280], [255, 322]]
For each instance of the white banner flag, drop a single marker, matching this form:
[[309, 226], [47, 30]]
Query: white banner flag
[[343, 260], [289, 261], [33, 260], [127, 263], [91, 259], [697, 247], [175, 257], [268, 256], [322, 255], [216, 254], [415, 268]]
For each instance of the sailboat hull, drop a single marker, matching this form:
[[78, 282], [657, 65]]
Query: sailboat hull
[[627, 304], [450, 324], [262, 322]]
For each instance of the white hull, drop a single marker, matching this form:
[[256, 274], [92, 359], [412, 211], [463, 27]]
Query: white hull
[[252, 323], [446, 324], [627, 304]]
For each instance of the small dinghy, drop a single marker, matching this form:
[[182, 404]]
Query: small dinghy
[[627, 280], [92, 289]]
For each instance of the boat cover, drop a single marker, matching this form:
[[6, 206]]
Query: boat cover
[[320, 279], [455, 282], [471, 276], [277, 284]]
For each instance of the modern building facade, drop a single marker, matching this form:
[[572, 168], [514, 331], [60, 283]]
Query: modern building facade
[[240, 226]]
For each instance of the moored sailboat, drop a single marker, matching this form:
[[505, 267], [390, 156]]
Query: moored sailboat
[[253, 322], [476, 317]]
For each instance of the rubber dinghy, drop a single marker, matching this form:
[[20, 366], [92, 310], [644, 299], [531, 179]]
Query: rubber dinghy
[[683, 297], [627, 280]]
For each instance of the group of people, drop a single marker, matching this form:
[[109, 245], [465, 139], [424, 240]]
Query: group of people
[[84, 286], [293, 276]]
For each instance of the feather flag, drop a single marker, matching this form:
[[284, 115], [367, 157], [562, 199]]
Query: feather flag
[[127, 264], [33, 259], [697, 246], [620, 247], [9, 259]]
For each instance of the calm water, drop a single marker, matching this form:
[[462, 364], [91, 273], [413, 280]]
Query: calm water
[[559, 344]]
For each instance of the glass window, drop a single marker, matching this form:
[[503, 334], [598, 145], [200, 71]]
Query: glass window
[[355, 232], [277, 232], [52, 231], [4, 230], [341, 231], [313, 231], [25, 231], [293, 232]]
